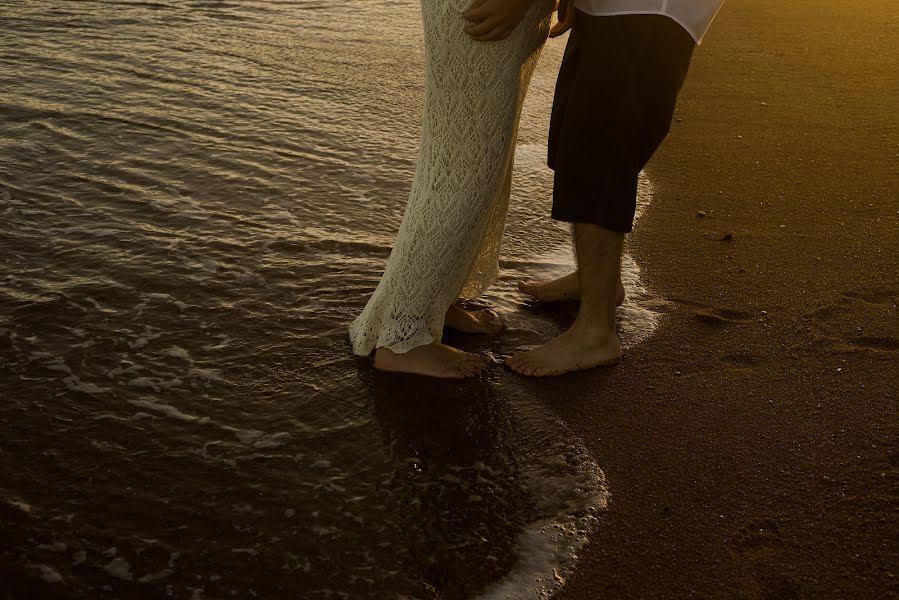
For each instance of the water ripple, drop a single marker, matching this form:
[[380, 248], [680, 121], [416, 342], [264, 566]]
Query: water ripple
[[196, 198]]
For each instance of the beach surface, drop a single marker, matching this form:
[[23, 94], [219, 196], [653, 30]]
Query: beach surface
[[753, 441], [198, 198]]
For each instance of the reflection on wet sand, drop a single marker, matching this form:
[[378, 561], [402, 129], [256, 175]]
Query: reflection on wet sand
[[196, 201], [457, 487], [496, 496]]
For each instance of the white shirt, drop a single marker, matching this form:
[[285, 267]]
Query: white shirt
[[694, 15]]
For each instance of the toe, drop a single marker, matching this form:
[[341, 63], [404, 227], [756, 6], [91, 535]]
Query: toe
[[530, 289], [518, 364]]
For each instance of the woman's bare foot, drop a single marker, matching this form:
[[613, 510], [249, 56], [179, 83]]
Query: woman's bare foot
[[561, 289], [433, 360], [473, 321], [575, 350]]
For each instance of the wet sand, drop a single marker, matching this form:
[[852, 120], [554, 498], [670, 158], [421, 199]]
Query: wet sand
[[178, 399], [752, 443]]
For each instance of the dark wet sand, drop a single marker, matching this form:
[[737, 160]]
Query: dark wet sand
[[751, 445]]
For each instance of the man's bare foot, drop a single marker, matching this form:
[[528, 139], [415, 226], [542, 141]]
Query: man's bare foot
[[473, 321], [574, 350], [433, 360], [561, 289]]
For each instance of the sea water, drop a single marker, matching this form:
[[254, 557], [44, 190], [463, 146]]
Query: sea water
[[196, 197]]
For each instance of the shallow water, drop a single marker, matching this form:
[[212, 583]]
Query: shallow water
[[196, 198]]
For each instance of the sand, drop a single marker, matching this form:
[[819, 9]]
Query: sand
[[751, 445]]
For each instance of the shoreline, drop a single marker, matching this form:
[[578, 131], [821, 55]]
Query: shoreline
[[185, 417], [750, 443]]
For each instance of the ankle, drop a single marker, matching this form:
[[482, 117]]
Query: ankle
[[383, 355], [598, 331]]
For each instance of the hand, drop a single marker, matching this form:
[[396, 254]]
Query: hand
[[491, 20], [566, 18]]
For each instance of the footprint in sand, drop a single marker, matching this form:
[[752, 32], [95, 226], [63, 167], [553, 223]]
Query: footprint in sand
[[859, 321], [889, 297], [722, 316], [879, 343], [742, 359]]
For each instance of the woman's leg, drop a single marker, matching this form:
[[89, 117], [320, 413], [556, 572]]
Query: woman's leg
[[460, 190]]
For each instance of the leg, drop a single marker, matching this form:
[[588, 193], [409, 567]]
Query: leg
[[484, 269], [458, 195], [561, 289], [564, 288], [592, 340], [614, 102]]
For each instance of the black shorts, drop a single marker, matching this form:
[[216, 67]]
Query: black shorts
[[613, 106]]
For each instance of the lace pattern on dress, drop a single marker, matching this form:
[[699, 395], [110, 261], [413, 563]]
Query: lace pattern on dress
[[449, 240]]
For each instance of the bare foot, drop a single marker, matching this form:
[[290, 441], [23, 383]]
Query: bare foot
[[433, 360], [574, 350], [473, 321], [561, 289]]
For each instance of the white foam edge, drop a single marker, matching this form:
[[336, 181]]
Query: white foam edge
[[547, 549]]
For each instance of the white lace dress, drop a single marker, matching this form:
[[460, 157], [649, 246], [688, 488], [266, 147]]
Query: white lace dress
[[448, 243]]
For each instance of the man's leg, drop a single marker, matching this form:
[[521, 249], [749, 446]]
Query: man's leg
[[614, 102], [592, 340], [561, 289]]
